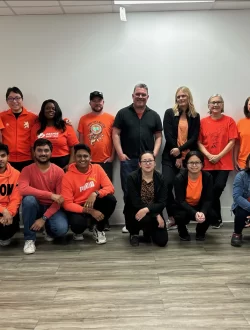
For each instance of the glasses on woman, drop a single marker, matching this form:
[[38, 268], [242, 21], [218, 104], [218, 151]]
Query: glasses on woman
[[216, 102], [12, 99], [148, 161], [194, 163]]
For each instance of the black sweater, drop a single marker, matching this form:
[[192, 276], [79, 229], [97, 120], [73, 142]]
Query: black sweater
[[180, 187], [170, 126], [133, 201]]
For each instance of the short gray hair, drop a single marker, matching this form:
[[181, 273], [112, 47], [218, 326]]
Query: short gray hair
[[141, 86]]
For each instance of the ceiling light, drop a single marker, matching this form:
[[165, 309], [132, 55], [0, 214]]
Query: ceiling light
[[159, 2]]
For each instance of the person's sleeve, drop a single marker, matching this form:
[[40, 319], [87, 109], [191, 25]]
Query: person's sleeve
[[71, 136], [195, 134], [1, 124], [159, 205], [158, 123], [168, 126], [118, 120], [80, 126], [105, 183], [238, 188], [25, 189], [200, 138], [33, 135], [180, 197], [208, 196], [68, 195], [233, 132], [14, 200], [134, 194]]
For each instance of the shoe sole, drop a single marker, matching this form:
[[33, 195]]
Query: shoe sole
[[218, 227], [172, 228], [29, 252], [100, 243]]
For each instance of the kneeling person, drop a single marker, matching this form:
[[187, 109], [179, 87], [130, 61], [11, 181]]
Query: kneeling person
[[145, 201], [40, 184], [9, 198], [88, 195]]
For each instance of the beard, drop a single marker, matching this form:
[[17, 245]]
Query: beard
[[43, 162]]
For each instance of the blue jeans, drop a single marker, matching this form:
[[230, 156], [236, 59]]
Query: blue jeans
[[127, 166], [56, 225]]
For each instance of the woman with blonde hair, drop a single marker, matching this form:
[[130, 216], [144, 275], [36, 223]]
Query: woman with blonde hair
[[181, 126], [216, 140]]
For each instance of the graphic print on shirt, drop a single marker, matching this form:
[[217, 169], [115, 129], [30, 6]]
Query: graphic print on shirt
[[26, 124], [95, 132], [216, 135], [90, 184], [48, 135]]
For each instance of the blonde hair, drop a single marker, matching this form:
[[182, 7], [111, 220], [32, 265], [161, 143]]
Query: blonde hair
[[216, 95], [191, 108]]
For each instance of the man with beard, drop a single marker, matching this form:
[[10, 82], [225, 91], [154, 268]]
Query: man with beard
[[40, 184], [137, 129], [95, 130]]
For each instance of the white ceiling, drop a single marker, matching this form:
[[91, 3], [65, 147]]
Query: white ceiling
[[8, 8]]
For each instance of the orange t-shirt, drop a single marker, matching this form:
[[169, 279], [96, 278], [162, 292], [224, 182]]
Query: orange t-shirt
[[97, 134], [182, 134], [16, 134], [194, 189], [61, 141], [243, 126], [215, 135]]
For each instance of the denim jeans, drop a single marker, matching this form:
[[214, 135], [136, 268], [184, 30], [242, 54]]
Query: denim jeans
[[126, 167], [56, 225]]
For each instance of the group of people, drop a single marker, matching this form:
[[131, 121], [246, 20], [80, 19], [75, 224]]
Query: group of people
[[66, 180]]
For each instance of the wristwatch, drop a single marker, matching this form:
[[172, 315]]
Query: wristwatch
[[97, 193], [44, 218]]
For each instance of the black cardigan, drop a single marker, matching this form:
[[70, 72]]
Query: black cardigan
[[170, 126], [133, 201], [180, 187]]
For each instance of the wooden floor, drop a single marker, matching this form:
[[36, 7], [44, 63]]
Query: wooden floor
[[80, 285]]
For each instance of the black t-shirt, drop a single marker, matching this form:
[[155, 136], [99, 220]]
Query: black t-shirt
[[137, 135]]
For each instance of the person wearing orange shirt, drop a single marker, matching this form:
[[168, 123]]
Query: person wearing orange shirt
[[17, 122], [9, 198], [242, 144], [216, 141], [193, 196], [51, 126], [95, 130], [88, 195]]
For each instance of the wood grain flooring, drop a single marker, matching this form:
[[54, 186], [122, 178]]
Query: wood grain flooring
[[79, 285]]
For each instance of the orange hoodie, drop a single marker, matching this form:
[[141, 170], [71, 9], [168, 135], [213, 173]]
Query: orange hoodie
[[9, 193], [77, 186]]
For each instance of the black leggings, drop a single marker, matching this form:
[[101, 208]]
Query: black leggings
[[7, 232], [240, 219]]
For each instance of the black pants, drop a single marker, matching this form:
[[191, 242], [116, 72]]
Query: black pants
[[149, 225], [20, 165], [7, 232], [108, 168], [169, 172], [240, 219], [182, 218], [79, 222], [219, 184], [60, 161]]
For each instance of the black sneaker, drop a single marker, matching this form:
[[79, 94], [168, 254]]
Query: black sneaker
[[134, 240], [217, 225], [184, 234], [200, 237], [106, 227], [236, 240]]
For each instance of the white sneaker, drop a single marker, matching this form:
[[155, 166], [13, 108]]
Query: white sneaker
[[29, 247], [78, 237], [5, 242], [99, 236], [124, 230], [47, 237]]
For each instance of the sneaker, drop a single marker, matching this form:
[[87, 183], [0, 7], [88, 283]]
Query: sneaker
[[124, 230], [78, 237], [236, 240], [134, 240], [29, 247], [99, 236], [200, 237], [184, 234], [170, 225], [47, 237], [5, 242], [106, 227], [91, 228], [217, 225]]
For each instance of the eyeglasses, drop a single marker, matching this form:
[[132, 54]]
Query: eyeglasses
[[12, 99], [150, 161], [194, 163], [216, 102]]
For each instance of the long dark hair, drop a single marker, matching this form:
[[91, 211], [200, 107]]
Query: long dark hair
[[196, 153], [246, 112], [247, 168], [59, 123]]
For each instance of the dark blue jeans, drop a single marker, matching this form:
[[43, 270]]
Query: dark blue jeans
[[126, 168], [56, 226], [240, 219]]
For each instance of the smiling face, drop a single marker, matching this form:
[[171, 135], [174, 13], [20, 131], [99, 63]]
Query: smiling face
[[15, 102], [194, 165], [96, 104], [82, 158], [140, 98], [49, 110], [215, 105], [147, 163], [3, 160], [182, 99], [42, 154]]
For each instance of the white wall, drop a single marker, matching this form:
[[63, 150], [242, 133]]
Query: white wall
[[67, 57]]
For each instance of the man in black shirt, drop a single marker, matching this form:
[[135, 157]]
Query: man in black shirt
[[136, 129]]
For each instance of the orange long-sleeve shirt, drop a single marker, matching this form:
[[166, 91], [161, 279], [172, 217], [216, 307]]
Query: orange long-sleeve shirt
[[77, 186], [10, 197], [16, 134]]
